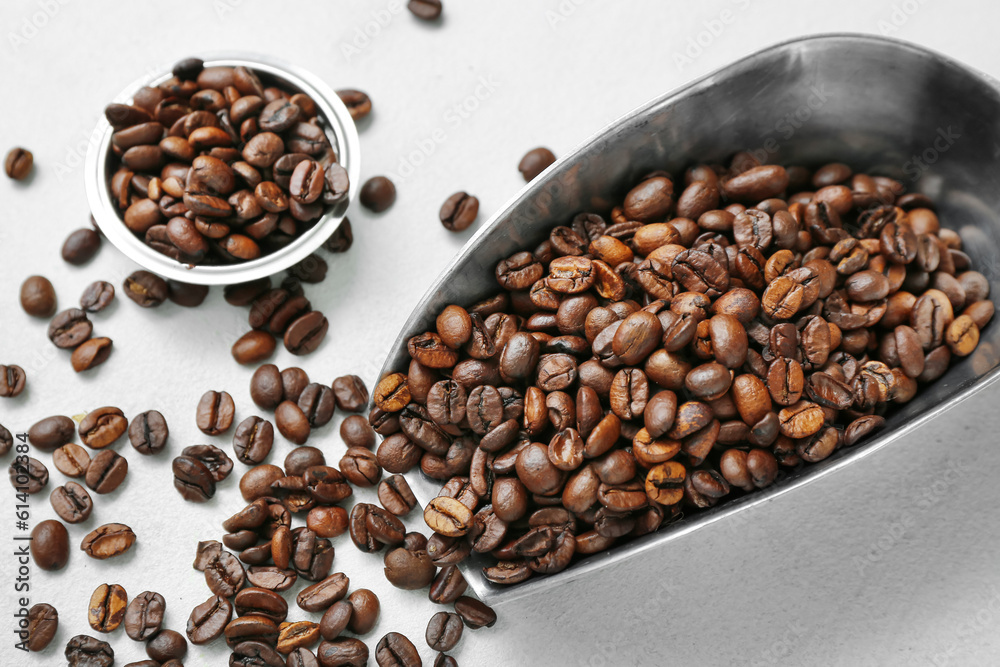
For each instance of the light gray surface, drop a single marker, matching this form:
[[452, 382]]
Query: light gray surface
[[891, 562]]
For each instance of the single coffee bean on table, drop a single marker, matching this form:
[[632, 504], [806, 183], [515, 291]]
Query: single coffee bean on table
[[17, 163], [38, 296]]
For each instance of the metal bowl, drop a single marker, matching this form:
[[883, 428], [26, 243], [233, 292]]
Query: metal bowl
[[339, 128], [880, 105]]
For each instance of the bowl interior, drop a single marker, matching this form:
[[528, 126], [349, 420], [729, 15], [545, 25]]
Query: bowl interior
[[882, 106], [338, 126]]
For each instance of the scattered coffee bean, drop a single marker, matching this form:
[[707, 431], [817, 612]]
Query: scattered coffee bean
[[50, 545], [38, 297], [148, 432], [444, 631], [81, 246], [86, 651], [91, 354], [357, 102], [43, 622], [17, 164], [146, 289], [377, 194], [69, 328], [102, 427], [186, 295], [395, 650], [427, 10], [215, 412], [97, 296], [535, 162], [459, 211], [108, 541], [107, 608], [28, 475], [106, 471]]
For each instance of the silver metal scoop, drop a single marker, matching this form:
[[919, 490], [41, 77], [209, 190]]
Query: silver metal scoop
[[881, 105], [339, 128]]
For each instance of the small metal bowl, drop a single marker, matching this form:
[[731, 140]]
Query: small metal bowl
[[339, 128], [878, 104]]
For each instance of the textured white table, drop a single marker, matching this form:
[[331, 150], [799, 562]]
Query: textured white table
[[890, 562]]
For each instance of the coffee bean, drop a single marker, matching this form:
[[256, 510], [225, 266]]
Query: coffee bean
[[271, 578], [317, 404], [350, 393], [347, 652], [448, 517], [292, 423], [409, 570], [395, 495], [146, 289], [102, 427], [215, 412], [148, 432], [81, 246], [323, 594], [17, 164], [306, 333], [106, 471], [377, 194], [144, 615], [444, 631], [28, 475], [70, 328], [459, 211], [474, 613], [260, 602], [395, 650], [253, 440], [38, 297], [443, 660], [253, 347], [71, 503], [357, 102], [43, 622], [427, 10], [213, 458], [342, 237], [97, 296], [208, 620], [90, 354], [224, 574], [50, 545], [12, 381], [192, 479], [107, 608], [166, 645], [85, 651], [51, 433], [535, 162]]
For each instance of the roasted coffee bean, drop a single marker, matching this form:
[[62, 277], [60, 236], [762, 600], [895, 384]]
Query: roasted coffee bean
[[43, 622], [102, 427], [51, 433], [192, 479], [28, 475], [81, 246], [90, 354], [260, 602], [474, 613], [271, 578], [253, 440], [107, 608], [224, 574], [148, 432], [167, 645], [317, 404], [535, 162], [427, 10], [306, 333], [12, 381], [50, 545], [357, 102], [208, 620], [323, 594], [355, 431], [377, 194], [213, 458], [106, 471], [335, 619], [253, 347], [254, 653], [86, 651], [459, 211], [345, 652], [395, 495], [108, 541], [38, 297], [266, 387], [146, 289], [395, 650], [409, 570], [17, 164], [256, 482], [215, 412], [71, 502], [69, 328], [350, 393], [144, 615], [444, 631]]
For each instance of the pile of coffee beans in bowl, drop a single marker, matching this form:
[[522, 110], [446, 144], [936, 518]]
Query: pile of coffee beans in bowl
[[716, 331], [213, 166]]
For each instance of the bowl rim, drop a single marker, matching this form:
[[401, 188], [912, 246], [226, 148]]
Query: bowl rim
[[503, 594], [339, 124]]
